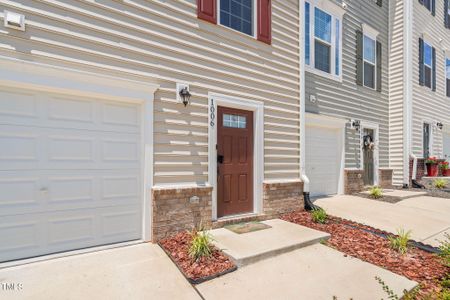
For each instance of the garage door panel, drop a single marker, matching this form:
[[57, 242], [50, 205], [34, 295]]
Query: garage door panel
[[26, 192], [17, 105], [38, 234], [52, 111], [26, 147]]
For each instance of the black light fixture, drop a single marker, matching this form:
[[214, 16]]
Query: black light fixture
[[439, 125], [185, 96], [355, 124]]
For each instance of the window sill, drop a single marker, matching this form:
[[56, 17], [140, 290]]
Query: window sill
[[323, 74]]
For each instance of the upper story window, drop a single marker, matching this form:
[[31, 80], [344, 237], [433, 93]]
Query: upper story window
[[447, 76], [323, 39], [369, 61], [241, 15], [428, 65], [447, 14], [368, 58], [429, 4], [237, 14]]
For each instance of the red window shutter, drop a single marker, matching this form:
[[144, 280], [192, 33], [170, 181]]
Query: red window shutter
[[265, 21], [206, 10]]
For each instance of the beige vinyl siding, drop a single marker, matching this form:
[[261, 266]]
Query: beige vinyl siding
[[348, 100], [428, 105], [163, 42], [396, 90]]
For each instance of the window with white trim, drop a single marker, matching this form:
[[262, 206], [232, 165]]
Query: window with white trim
[[238, 15], [370, 61], [428, 65], [323, 39], [447, 76], [429, 4]]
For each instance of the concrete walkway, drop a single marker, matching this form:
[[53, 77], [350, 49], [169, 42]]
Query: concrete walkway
[[140, 271], [314, 272], [280, 237], [428, 218]]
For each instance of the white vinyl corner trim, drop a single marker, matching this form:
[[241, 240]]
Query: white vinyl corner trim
[[407, 87]]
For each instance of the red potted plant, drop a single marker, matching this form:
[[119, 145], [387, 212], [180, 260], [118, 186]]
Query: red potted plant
[[432, 166], [445, 169]]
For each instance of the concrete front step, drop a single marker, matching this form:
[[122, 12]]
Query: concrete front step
[[396, 194], [281, 237]]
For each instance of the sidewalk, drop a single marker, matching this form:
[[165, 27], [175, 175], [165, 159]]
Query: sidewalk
[[427, 217]]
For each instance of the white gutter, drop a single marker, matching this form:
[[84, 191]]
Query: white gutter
[[407, 88], [301, 39]]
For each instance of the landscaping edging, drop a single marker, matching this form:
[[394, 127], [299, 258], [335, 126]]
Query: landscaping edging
[[218, 257]]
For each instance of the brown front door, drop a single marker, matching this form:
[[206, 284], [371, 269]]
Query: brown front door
[[234, 161]]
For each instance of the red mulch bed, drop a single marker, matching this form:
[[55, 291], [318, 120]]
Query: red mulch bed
[[177, 247], [418, 265]]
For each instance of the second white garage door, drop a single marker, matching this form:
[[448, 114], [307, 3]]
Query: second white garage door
[[70, 173], [323, 159]]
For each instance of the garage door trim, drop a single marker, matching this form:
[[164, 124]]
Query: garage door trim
[[15, 73], [316, 120]]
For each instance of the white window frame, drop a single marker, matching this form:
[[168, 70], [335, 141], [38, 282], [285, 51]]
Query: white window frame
[[254, 20], [337, 13], [372, 34]]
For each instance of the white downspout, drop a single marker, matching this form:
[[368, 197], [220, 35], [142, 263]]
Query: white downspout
[[407, 91], [301, 39]]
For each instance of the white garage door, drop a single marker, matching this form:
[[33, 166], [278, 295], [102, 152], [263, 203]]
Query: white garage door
[[323, 160], [446, 145], [70, 173]]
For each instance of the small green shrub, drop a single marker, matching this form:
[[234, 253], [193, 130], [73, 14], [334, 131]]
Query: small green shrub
[[376, 192], [319, 215], [400, 242], [201, 245], [440, 183], [445, 252]]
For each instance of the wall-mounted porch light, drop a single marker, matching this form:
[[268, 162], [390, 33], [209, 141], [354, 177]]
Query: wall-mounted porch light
[[439, 125], [183, 94], [355, 124]]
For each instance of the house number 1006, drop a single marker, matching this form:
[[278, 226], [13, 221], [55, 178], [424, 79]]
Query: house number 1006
[[212, 110]]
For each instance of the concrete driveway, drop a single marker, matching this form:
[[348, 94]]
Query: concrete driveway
[[140, 271], [428, 218]]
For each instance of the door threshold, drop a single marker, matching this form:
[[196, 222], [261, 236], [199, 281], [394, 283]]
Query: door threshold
[[25, 261], [238, 216]]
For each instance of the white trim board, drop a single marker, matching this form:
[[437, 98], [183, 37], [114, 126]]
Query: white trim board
[[257, 107], [316, 120], [376, 157], [20, 74]]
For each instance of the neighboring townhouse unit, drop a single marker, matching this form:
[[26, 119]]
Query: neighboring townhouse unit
[[346, 94], [419, 85], [128, 120]]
